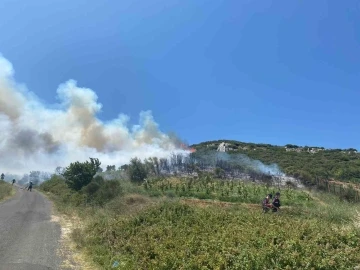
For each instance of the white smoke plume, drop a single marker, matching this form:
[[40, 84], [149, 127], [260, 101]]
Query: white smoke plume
[[35, 136], [256, 165]]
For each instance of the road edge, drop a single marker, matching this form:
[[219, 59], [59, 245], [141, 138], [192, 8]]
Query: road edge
[[12, 194], [73, 258]]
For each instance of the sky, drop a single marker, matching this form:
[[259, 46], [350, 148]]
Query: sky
[[273, 72]]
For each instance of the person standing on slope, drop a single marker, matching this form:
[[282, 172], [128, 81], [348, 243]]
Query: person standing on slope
[[13, 182]]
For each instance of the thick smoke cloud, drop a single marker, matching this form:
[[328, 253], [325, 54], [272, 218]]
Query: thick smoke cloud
[[35, 136]]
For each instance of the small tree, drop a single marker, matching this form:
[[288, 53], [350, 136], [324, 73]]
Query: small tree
[[78, 174], [137, 170]]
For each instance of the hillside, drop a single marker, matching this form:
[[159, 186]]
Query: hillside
[[306, 163]]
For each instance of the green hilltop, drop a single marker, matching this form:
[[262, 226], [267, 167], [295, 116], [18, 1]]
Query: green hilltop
[[307, 163]]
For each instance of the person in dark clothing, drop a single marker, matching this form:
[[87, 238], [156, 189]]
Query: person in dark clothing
[[266, 204], [30, 186], [13, 181], [276, 202]]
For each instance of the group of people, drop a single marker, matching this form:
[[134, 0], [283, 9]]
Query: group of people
[[271, 204]]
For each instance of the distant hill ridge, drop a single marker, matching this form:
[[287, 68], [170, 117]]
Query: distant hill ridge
[[233, 145], [308, 163]]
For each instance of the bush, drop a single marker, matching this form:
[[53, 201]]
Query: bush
[[55, 185], [170, 194], [93, 186], [99, 191]]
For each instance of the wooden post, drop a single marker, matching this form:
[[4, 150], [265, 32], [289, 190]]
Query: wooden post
[[328, 185]]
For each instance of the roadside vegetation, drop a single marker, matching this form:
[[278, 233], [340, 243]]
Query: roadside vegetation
[[133, 218], [5, 190]]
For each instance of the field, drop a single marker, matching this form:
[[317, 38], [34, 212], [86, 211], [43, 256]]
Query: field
[[210, 224]]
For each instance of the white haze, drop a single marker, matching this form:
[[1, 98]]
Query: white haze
[[35, 136]]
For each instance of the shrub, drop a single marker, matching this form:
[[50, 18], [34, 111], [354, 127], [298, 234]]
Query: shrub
[[55, 185], [99, 191]]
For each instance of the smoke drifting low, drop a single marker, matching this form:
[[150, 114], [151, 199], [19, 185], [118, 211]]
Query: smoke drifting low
[[212, 158], [255, 165], [34, 136]]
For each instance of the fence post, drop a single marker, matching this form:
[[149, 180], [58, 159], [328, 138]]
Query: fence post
[[328, 185]]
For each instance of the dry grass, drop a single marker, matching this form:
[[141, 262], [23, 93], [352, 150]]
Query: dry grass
[[72, 258], [130, 204], [6, 191]]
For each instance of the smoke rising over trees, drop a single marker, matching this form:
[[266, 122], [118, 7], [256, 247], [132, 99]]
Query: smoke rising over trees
[[40, 137]]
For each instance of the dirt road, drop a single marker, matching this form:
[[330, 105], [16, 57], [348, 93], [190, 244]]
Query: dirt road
[[28, 237]]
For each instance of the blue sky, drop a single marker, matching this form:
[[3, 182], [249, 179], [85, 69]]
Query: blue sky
[[258, 71]]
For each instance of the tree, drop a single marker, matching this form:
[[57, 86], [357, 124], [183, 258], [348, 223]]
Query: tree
[[137, 170], [164, 165], [2, 176], [291, 146], [124, 167], [78, 174], [110, 168], [59, 170]]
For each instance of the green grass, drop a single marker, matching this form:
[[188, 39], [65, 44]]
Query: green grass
[[178, 236], [6, 190], [154, 227]]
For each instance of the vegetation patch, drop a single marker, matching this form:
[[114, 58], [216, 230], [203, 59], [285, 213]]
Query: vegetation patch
[[178, 236], [6, 190], [306, 163], [148, 222], [208, 188]]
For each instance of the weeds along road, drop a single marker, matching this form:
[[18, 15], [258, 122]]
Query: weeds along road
[[28, 238]]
